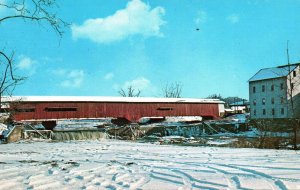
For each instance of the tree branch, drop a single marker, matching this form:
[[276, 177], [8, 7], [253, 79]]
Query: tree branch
[[130, 92], [172, 91], [35, 10]]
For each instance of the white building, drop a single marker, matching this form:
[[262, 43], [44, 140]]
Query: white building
[[270, 90], [240, 106]]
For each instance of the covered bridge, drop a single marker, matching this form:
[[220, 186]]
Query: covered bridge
[[49, 109]]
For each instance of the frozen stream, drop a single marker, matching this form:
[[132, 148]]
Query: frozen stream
[[111, 164]]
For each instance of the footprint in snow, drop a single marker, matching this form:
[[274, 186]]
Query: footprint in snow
[[50, 172], [79, 177]]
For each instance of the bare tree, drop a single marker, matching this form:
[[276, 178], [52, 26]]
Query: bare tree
[[129, 92], [293, 90], [172, 90], [34, 10], [39, 11], [8, 80]]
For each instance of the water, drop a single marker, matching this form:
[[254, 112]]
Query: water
[[66, 135], [78, 135]]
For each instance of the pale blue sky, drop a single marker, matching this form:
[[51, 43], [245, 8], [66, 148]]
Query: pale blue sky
[[157, 44]]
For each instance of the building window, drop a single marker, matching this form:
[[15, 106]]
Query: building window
[[254, 102], [273, 111], [264, 111], [60, 109], [281, 86], [254, 112], [263, 88], [282, 100], [272, 100], [294, 73], [253, 89], [263, 101], [282, 111], [272, 87], [164, 108], [25, 110]]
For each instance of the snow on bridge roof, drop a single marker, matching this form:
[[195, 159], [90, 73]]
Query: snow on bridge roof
[[108, 99]]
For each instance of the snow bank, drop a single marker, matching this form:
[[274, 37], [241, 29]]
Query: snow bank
[[239, 118], [184, 119]]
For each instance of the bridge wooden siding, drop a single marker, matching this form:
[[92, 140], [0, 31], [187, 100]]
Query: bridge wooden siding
[[129, 111]]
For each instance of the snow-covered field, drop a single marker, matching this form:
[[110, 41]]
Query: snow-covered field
[[112, 164]]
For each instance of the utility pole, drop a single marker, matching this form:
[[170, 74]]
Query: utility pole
[[293, 120]]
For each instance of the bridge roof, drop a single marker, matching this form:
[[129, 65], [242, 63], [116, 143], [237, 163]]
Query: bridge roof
[[107, 99]]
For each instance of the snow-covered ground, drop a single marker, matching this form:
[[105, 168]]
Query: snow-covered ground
[[238, 118], [112, 164]]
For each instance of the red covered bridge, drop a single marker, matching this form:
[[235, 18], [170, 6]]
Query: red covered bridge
[[49, 109]]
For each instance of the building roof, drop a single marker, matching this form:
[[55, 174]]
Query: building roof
[[273, 72], [107, 99]]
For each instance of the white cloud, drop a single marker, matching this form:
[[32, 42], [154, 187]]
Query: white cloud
[[109, 76], [140, 83], [136, 19], [201, 17], [234, 18], [74, 78], [26, 63]]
